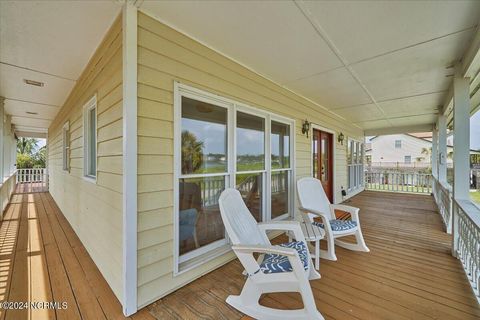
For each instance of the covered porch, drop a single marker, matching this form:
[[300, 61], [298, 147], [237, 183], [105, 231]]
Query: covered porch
[[409, 273]]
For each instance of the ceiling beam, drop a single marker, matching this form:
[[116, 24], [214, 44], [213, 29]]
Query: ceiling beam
[[396, 130], [468, 67]]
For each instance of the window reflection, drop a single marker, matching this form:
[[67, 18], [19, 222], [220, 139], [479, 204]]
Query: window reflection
[[251, 189], [279, 187], [280, 145], [250, 142], [204, 137], [199, 215]]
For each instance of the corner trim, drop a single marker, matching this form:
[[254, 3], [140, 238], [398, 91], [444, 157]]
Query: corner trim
[[129, 47]]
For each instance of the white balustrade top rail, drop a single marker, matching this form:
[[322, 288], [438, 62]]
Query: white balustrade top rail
[[399, 182], [442, 193], [32, 180], [466, 240]]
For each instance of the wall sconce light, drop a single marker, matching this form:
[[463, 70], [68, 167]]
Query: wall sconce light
[[341, 137], [305, 127]]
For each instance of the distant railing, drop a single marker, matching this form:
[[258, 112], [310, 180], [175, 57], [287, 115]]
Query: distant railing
[[466, 240], [32, 180], [399, 182], [6, 190], [443, 197]]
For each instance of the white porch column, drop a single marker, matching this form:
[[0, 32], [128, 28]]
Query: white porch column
[[442, 148], [461, 149], [434, 154], [461, 138]]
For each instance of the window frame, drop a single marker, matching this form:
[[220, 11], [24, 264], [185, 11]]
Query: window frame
[[91, 104], [405, 159], [199, 256], [66, 146], [356, 165], [399, 144]]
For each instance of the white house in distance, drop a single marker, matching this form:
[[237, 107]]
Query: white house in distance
[[404, 149]]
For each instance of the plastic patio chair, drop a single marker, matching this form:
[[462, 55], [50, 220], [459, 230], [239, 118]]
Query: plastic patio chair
[[284, 268], [314, 202]]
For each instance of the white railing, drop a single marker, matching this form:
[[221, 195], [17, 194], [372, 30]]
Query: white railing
[[32, 180], [6, 190], [443, 197], [466, 240], [399, 182]]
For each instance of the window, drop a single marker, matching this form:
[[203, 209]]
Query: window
[[355, 155], [408, 159], [66, 146], [222, 145], [398, 144], [90, 138]]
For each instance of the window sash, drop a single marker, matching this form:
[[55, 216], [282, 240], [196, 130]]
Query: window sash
[[90, 139], [233, 108]]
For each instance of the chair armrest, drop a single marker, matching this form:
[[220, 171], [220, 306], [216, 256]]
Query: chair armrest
[[352, 210], [250, 249], [325, 217], [293, 226]]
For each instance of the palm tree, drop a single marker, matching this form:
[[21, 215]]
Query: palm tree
[[427, 152], [27, 145], [192, 153]]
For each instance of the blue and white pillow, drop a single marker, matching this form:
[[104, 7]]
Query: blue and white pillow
[[338, 225], [274, 263]]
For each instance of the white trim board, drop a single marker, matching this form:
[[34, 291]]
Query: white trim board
[[129, 30], [334, 133]]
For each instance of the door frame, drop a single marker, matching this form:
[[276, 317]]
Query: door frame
[[334, 147]]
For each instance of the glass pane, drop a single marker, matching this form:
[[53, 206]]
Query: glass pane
[[315, 154], [354, 152], [200, 222], [349, 152], [251, 189], [280, 145], [92, 140], [280, 182], [250, 142], [204, 137], [324, 158]]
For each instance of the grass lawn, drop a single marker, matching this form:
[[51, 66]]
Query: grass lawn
[[475, 196]]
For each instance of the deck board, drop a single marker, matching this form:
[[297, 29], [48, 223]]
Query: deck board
[[409, 273]]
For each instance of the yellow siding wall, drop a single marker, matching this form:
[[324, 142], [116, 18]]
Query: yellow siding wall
[[94, 210], [165, 55]]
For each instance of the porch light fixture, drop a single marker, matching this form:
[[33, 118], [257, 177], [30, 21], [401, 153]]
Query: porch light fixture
[[305, 127], [33, 83], [340, 138]]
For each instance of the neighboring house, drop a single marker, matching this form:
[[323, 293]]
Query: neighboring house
[[406, 149]]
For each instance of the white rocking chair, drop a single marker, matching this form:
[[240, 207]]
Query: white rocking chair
[[314, 202], [284, 268]]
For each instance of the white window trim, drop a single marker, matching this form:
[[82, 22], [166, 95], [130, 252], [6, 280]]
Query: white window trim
[[361, 185], [219, 247], [92, 103], [66, 146]]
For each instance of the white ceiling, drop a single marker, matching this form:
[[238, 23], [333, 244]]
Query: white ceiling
[[376, 63], [50, 42]]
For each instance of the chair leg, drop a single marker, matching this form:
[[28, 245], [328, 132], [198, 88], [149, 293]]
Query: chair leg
[[317, 254], [358, 246], [329, 254]]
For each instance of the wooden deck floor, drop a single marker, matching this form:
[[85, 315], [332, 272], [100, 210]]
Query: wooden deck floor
[[409, 273], [42, 260]]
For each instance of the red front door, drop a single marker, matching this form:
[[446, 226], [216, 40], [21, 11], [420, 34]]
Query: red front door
[[323, 160]]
